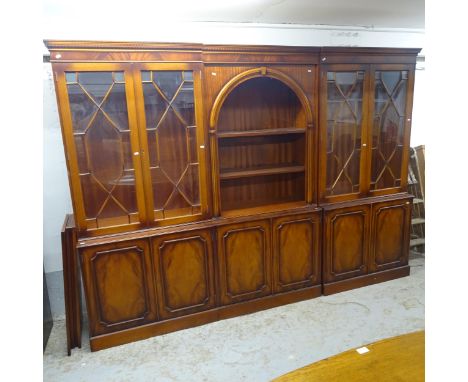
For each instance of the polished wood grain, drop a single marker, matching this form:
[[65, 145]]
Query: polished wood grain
[[189, 321], [365, 280], [296, 247], [389, 244], [71, 284], [399, 358], [184, 271], [346, 240], [225, 165], [119, 286], [244, 261]]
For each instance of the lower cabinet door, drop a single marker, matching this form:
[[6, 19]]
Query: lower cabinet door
[[296, 252], [346, 242], [244, 261], [390, 234], [184, 272], [118, 281]]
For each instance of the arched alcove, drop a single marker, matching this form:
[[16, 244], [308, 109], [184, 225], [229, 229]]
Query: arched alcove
[[261, 129]]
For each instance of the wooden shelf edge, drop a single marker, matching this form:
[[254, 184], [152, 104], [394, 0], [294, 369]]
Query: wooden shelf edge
[[260, 172], [263, 209], [260, 133]]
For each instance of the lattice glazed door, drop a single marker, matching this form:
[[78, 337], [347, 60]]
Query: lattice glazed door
[[175, 148], [390, 129], [344, 116], [104, 162]]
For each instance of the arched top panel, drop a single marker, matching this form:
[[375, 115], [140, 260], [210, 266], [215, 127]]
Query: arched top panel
[[256, 73]]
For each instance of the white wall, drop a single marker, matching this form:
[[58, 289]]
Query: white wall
[[56, 192]]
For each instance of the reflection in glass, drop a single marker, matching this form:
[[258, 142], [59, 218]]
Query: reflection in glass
[[344, 118], [171, 134], [98, 108], [388, 128]]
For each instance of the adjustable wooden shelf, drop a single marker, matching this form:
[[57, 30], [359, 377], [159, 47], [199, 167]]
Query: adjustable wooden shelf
[[210, 181]]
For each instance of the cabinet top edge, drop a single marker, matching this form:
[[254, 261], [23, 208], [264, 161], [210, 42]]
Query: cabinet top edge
[[199, 47]]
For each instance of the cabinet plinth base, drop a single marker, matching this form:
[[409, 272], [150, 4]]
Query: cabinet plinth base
[[162, 327], [361, 281]]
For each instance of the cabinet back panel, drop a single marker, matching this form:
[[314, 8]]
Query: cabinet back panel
[[261, 190], [248, 153], [261, 103]]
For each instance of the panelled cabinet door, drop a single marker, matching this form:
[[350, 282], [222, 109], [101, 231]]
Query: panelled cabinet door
[[390, 234], [244, 261], [101, 139], [296, 246], [168, 98], [343, 129], [183, 265], [346, 242], [390, 108], [118, 280]]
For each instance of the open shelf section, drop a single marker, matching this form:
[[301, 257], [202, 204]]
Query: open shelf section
[[267, 207], [261, 132], [234, 174]]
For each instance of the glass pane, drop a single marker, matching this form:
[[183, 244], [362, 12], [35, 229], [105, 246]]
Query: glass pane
[[171, 135], [168, 82], [388, 128], [344, 118], [98, 107]]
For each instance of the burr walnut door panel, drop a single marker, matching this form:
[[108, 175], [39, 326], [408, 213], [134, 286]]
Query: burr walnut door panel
[[390, 234], [119, 286], [346, 242], [296, 252], [184, 270], [244, 261]]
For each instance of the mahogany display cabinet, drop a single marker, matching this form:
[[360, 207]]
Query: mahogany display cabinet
[[210, 181]]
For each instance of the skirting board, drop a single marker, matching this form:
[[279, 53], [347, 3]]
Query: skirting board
[[162, 327], [361, 281]]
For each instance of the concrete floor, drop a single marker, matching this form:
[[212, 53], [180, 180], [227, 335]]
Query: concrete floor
[[256, 347]]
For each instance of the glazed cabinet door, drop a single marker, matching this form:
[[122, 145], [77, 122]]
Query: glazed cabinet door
[[346, 242], [390, 234], [183, 264], [343, 131], [244, 261], [168, 99], [389, 135], [118, 280], [296, 252], [101, 144]]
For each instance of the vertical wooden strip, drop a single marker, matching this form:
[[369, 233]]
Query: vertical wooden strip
[[137, 148], [407, 131], [367, 125], [70, 149], [71, 284], [202, 141], [143, 143], [215, 173], [322, 142]]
